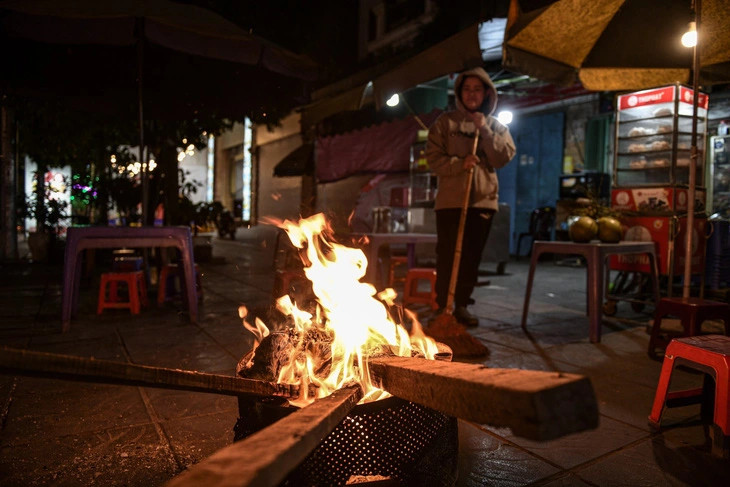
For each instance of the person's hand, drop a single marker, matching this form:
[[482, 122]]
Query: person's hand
[[478, 118], [470, 161]]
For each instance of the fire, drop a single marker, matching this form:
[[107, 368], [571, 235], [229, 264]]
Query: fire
[[348, 324]]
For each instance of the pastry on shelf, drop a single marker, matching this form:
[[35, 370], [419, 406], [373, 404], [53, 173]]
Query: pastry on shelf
[[638, 131], [660, 145], [637, 148], [637, 163]]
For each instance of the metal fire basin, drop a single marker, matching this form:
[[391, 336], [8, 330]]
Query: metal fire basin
[[409, 444]]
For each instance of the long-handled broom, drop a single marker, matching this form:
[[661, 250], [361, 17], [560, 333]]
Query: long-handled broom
[[445, 328]]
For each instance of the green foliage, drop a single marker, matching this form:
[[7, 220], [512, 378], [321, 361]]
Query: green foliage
[[50, 213]]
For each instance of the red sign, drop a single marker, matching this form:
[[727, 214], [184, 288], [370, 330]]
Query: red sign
[[685, 96], [655, 201], [646, 97], [670, 242]]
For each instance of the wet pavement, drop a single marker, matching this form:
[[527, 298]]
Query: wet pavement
[[58, 432]]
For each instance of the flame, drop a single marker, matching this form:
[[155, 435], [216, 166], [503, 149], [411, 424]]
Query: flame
[[348, 324], [260, 331]]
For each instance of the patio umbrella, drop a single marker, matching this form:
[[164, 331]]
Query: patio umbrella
[[144, 58], [615, 45]]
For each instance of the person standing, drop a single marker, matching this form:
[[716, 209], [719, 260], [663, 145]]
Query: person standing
[[449, 155]]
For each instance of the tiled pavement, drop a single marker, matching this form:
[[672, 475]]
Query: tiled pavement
[[56, 432]]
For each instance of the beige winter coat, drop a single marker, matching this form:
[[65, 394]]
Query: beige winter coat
[[451, 138]]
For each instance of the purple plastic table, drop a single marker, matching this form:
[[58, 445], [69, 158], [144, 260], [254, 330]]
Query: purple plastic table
[[79, 239], [595, 254]]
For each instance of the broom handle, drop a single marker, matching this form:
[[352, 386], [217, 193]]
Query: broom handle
[[460, 233]]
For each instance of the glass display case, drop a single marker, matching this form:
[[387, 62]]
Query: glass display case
[[720, 173], [651, 174], [423, 184], [654, 137]]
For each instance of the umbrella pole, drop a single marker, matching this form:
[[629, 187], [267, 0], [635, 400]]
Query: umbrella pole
[[693, 156], [140, 69]]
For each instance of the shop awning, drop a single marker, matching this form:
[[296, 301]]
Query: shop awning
[[385, 147], [351, 99], [457, 53], [298, 162]]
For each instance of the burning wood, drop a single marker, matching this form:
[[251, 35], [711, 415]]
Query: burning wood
[[327, 347]]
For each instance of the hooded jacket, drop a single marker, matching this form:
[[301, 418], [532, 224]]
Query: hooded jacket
[[451, 139]]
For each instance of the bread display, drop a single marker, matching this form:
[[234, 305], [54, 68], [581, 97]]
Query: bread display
[[637, 148], [637, 163], [660, 145]]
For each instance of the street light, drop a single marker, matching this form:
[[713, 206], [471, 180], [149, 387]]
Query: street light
[[689, 38], [505, 117]]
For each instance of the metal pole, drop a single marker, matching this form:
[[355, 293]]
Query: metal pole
[[8, 164], [140, 70], [693, 157]]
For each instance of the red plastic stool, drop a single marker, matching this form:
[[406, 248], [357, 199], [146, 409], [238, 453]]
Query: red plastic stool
[[135, 284], [395, 261], [169, 276], [692, 312], [411, 294], [709, 354], [123, 264]]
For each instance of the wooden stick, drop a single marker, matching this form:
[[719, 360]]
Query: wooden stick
[[460, 232], [55, 366], [269, 455], [533, 404]]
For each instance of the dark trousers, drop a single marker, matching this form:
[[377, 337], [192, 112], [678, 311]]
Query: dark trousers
[[476, 230]]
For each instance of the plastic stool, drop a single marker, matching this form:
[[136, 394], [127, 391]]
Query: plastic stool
[[692, 312], [166, 282], [411, 294], [135, 284], [709, 354], [395, 261]]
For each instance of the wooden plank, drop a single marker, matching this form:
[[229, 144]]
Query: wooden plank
[[534, 404], [56, 366], [266, 457]]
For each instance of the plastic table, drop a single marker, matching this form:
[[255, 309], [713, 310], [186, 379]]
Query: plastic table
[[595, 254], [79, 239]]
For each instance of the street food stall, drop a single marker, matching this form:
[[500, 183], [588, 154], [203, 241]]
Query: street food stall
[[651, 176]]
